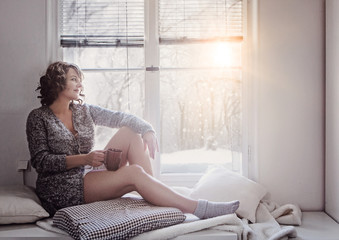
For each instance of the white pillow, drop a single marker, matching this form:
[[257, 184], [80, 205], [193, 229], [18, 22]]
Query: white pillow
[[222, 185], [19, 204]]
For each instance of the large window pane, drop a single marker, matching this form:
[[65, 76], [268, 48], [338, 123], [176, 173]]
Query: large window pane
[[201, 113]]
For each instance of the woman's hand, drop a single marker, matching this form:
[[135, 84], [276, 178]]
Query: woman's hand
[[150, 141], [95, 158]]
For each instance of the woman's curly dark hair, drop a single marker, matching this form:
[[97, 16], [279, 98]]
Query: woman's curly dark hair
[[54, 81]]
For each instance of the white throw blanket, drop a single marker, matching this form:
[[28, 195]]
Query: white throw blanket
[[269, 215]]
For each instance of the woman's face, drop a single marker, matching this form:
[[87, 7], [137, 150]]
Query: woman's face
[[73, 86]]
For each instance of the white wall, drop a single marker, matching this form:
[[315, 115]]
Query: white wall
[[22, 58], [332, 111], [291, 101]]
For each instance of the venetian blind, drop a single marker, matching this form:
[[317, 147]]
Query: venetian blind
[[93, 23], [200, 20]]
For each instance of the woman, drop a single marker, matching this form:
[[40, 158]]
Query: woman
[[60, 135]]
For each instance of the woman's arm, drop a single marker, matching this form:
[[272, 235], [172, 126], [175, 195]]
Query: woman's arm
[[116, 119], [41, 158]]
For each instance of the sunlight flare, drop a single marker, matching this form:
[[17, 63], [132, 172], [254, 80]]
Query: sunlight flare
[[223, 55]]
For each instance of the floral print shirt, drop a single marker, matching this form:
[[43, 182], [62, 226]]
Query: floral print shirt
[[50, 142]]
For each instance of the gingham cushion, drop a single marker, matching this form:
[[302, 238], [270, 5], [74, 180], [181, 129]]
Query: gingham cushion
[[120, 218]]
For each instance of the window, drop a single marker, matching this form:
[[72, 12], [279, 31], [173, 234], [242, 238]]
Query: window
[[178, 64], [106, 39]]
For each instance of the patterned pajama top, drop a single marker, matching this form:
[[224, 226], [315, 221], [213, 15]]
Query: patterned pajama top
[[50, 142]]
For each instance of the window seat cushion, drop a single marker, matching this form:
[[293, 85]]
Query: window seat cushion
[[120, 218]]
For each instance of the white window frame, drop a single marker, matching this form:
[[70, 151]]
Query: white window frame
[[251, 91], [152, 84], [53, 49], [152, 78]]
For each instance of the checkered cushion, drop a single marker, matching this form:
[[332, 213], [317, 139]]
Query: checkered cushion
[[120, 218]]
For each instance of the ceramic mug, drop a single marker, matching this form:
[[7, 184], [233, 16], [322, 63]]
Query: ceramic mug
[[112, 159]]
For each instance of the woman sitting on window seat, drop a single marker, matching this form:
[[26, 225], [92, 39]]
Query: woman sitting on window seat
[[60, 135]]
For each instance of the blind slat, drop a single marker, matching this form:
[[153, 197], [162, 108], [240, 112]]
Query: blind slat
[[102, 23]]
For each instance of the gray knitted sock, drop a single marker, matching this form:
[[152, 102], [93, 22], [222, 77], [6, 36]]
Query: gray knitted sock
[[207, 209]]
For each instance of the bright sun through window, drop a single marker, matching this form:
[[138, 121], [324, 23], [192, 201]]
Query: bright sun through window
[[223, 55]]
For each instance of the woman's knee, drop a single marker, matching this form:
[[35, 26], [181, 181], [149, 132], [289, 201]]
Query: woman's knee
[[136, 169], [135, 172]]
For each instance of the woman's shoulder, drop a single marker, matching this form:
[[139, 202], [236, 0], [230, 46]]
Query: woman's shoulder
[[41, 111], [40, 114]]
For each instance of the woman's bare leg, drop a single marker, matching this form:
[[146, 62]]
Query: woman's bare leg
[[105, 185], [132, 147]]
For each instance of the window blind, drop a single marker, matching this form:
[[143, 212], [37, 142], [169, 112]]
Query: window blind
[[93, 23], [200, 20]]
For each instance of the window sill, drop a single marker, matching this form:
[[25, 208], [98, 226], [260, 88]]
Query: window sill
[[180, 179]]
